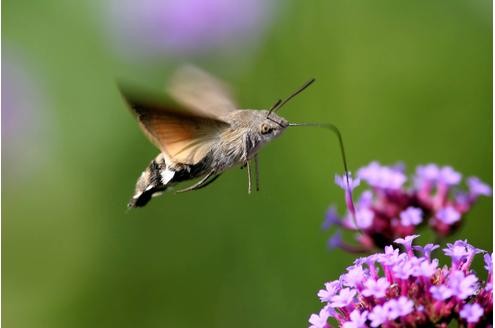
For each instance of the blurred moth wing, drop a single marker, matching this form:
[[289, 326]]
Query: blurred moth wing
[[198, 90], [184, 134]]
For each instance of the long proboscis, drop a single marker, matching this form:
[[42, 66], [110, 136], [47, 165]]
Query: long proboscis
[[335, 130]]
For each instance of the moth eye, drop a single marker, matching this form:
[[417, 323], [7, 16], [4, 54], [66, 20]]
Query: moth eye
[[265, 128]]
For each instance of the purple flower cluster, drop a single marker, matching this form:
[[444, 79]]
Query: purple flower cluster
[[388, 209], [186, 27], [409, 288], [27, 123]]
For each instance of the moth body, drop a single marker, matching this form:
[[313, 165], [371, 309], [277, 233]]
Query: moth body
[[200, 133], [249, 130]]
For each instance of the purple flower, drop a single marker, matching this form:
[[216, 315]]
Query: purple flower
[[426, 268], [185, 27], [478, 188], [376, 288], [364, 218], [411, 216], [457, 250], [331, 218], [354, 277], [366, 199], [26, 130], [460, 252], [398, 307], [390, 209], [404, 306], [462, 286], [426, 174], [441, 292], [406, 241], [369, 172], [358, 320], [343, 298], [381, 176], [410, 290], [488, 262], [427, 249], [319, 320], [335, 241], [449, 176], [471, 312], [347, 183], [378, 316], [404, 269], [448, 215], [391, 256], [330, 290]]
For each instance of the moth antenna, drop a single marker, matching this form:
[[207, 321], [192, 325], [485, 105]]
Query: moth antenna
[[275, 105], [335, 130], [280, 103], [295, 93]]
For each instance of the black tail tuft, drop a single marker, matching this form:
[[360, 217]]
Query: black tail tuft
[[148, 185], [142, 199]]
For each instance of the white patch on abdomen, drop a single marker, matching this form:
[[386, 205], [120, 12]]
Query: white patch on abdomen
[[167, 175]]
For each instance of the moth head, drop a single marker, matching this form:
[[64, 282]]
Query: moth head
[[271, 126]]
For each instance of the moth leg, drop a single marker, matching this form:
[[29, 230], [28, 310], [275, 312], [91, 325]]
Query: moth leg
[[202, 183], [257, 172], [249, 176], [207, 183], [246, 163]]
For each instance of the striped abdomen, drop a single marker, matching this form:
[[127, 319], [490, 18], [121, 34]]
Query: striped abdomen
[[158, 177]]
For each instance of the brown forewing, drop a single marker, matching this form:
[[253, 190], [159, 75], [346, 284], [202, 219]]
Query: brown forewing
[[184, 135]]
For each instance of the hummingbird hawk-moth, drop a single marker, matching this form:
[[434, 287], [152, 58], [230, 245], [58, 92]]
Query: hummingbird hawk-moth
[[200, 133]]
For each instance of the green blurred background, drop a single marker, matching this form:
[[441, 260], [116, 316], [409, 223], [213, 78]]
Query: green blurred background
[[404, 80]]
